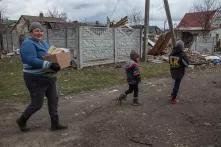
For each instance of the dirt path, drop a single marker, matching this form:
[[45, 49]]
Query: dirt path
[[95, 120]]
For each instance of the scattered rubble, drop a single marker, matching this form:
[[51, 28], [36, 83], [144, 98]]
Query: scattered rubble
[[195, 58], [214, 59], [158, 59], [114, 90]]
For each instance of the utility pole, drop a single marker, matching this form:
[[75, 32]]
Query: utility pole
[[146, 28], [0, 16], [167, 9]]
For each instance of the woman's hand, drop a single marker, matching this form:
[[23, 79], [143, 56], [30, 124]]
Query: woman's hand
[[55, 67]]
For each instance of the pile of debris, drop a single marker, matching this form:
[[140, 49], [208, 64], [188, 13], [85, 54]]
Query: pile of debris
[[123, 23], [160, 48], [158, 59], [195, 58]]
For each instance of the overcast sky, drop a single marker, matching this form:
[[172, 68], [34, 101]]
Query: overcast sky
[[92, 10]]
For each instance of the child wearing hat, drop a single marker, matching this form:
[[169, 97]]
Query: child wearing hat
[[133, 78]]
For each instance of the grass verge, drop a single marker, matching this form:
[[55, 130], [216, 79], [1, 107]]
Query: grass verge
[[12, 87]]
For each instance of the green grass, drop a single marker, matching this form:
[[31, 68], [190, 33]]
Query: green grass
[[12, 86]]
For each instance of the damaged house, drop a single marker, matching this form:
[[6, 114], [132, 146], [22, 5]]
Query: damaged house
[[20, 30], [24, 21], [201, 31], [5, 26], [13, 37]]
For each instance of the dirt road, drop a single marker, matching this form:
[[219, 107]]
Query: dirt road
[[95, 120]]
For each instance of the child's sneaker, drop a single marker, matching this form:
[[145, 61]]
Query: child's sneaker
[[121, 97], [173, 101], [136, 102]]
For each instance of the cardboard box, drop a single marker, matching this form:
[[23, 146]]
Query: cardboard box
[[62, 58]]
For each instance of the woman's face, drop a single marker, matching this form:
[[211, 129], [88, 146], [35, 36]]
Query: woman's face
[[37, 34]]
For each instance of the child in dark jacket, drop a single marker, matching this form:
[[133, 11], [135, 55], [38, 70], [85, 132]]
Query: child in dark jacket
[[178, 62], [133, 78]]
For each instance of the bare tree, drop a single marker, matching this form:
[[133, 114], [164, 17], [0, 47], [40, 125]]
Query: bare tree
[[136, 17], [207, 5], [56, 13], [2, 12], [205, 11]]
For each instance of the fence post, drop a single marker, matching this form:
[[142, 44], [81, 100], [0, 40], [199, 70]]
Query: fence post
[[141, 39], [213, 46], [12, 43], [114, 45], [196, 43], [7, 40], [79, 56], [66, 38], [47, 35]]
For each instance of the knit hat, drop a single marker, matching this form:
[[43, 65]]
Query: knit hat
[[133, 55], [179, 44], [35, 25]]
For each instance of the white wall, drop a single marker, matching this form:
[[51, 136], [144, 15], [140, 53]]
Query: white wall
[[107, 45], [216, 31]]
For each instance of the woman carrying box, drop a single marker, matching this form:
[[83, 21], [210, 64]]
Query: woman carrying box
[[38, 80]]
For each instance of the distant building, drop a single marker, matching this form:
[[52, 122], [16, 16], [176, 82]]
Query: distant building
[[197, 24], [153, 30], [5, 26]]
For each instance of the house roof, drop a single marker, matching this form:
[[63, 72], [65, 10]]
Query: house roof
[[2, 27], [10, 22], [41, 19], [61, 25], [154, 29], [195, 19], [7, 25], [44, 20]]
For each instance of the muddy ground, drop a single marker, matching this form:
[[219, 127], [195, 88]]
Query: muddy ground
[[94, 119]]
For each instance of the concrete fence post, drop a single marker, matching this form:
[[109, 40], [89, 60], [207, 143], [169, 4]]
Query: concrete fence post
[[47, 36], [213, 46], [79, 56], [114, 45], [141, 41], [7, 41], [66, 37], [196, 43], [12, 42]]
